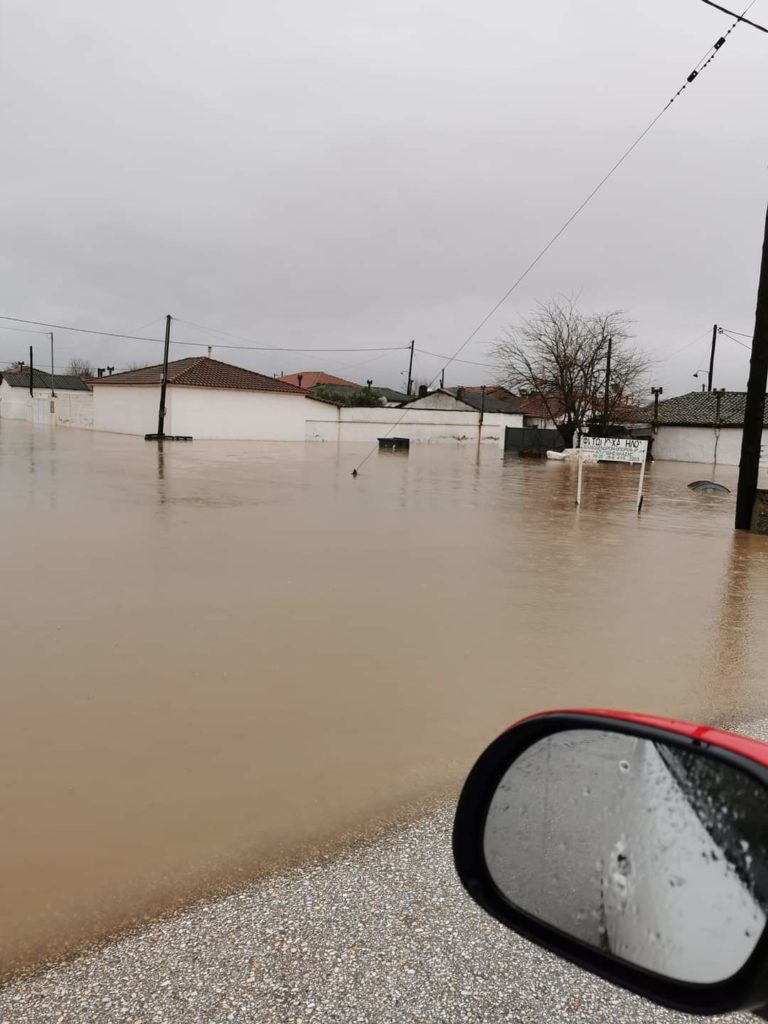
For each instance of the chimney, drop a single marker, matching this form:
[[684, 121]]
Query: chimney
[[210, 351], [110, 370], [423, 390], [100, 371], [299, 378], [460, 394]]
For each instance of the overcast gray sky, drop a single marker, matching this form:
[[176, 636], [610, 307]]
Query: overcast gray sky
[[363, 172]]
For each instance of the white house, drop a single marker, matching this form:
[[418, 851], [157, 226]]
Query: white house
[[207, 399], [59, 401], [701, 426]]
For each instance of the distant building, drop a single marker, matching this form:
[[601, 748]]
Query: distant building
[[206, 398], [535, 411], [60, 400], [701, 426], [460, 399], [309, 379]]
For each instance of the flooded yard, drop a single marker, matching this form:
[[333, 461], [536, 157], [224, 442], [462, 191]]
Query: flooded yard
[[220, 653]]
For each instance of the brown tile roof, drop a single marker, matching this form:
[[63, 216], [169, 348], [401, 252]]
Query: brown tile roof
[[313, 378], [202, 372]]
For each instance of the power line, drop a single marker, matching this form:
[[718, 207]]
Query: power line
[[468, 362], [739, 17], [741, 334], [202, 344], [682, 348], [743, 345], [702, 63], [699, 67], [708, 57], [22, 330], [213, 330]]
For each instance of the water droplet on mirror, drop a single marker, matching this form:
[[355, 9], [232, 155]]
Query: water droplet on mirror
[[623, 766]]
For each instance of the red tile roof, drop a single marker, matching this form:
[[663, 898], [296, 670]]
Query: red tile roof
[[202, 372], [312, 378]]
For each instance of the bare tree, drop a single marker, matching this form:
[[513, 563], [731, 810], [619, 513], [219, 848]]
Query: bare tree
[[560, 354], [80, 368]]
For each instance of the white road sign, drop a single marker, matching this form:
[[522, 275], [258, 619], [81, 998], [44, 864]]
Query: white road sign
[[616, 449]]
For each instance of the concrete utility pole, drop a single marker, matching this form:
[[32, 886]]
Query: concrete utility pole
[[752, 435], [161, 434], [31, 373], [410, 371], [53, 393], [712, 357], [164, 380]]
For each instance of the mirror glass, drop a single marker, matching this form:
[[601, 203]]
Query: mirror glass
[[651, 852]]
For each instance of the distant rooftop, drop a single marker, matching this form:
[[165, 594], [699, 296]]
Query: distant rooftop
[[201, 372], [41, 379], [472, 397], [316, 378], [697, 409]]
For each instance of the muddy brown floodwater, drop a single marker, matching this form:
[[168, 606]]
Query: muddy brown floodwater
[[216, 655]]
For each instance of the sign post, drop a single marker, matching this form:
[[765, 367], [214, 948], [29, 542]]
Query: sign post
[[615, 449]]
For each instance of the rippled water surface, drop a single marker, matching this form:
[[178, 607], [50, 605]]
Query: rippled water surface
[[216, 654]]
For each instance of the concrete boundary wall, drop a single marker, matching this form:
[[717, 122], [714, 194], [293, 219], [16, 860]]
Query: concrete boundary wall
[[422, 426], [70, 408], [699, 444]]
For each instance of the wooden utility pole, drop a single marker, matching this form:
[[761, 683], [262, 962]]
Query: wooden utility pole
[[31, 374], [752, 435], [712, 357], [164, 380], [410, 371]]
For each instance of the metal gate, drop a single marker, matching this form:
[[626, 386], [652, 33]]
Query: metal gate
[[532, 439]]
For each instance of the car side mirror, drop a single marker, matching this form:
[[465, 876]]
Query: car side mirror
[[633, 846]]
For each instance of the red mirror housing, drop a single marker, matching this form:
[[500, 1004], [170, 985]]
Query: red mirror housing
[[708, 750]]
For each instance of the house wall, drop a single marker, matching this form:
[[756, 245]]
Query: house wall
[[71, 408], [697, 444], [216, 413], [420, 425], [208, 413], [129, 408]]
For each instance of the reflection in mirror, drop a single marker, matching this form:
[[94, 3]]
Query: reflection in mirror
[[651, 852]]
